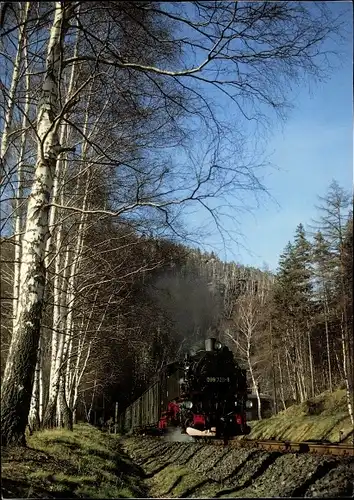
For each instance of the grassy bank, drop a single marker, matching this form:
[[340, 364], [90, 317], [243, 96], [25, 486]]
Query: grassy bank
[[322, 417], [85, 463]]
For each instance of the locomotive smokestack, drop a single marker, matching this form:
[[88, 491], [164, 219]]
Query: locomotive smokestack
[[210, 344]]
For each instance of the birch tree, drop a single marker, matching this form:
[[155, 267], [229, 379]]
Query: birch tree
[[17, 384], [245, 52], [246, 336], [11, 97]]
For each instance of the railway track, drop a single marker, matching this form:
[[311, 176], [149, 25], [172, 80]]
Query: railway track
[[316, 447], [319, 448]]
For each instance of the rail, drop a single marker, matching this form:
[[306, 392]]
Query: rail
[[319, 448]]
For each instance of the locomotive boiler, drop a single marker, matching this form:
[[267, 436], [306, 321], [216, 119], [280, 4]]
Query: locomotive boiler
[[204, 395]]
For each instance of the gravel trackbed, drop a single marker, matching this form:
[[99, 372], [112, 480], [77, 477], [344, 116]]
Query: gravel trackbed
[[193, 470]]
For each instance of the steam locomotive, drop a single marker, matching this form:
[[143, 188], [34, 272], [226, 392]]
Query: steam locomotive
[[204, 395]]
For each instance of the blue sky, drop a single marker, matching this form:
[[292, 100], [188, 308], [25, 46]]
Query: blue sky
[[314, 146]]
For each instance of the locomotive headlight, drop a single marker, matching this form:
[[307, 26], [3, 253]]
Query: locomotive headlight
[[218, 345], [249, 404]]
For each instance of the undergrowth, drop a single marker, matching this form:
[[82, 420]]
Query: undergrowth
[[85, 463]]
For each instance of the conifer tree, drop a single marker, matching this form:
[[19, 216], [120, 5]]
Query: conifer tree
[[304, 303], [323, 282], [285, 315], [334, 219], [294, 298]]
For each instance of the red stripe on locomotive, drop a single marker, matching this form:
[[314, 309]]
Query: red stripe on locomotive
[[198, 419]]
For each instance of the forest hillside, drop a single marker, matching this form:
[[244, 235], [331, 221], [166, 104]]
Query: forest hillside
[[123, 125]]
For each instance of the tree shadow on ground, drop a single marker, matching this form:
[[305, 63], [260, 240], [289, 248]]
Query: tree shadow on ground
[[21, 489]]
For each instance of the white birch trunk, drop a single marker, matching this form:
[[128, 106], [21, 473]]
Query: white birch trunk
[[49, 415], [290, 378], [88, 352], [275, 398], [347, 353], [76, 378], [57, 291], [72, 376], [299, 373], [50, 248], [61, 168], [310, 361], [58, 414], [69, 371], [74, 372], [33, 417], [76, 261], [62, 342], [281, 384], [16, 74], [340, 367], [346, 370], [19, 194], [48, 254], [41, 390], [61, 406], [64, 410], [301, 385], [78, 372], [254, 382], [56, 310], [71, 303], [20, 367], [64, 413], [327, 342]]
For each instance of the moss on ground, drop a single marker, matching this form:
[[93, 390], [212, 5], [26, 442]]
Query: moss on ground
[[322, 417], [58, 463], [178, 481]]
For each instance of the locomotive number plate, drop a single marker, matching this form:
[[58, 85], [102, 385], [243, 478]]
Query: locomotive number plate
[[218, 379]]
